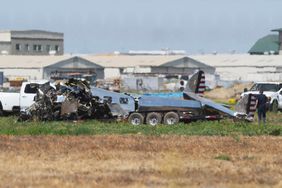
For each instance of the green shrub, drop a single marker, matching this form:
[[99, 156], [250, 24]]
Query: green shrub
[[223, 157]]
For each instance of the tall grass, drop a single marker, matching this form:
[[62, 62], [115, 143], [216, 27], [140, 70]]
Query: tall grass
[[9, 126]]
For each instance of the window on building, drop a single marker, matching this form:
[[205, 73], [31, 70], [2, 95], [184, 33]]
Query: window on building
[[48, 48], [57, 48], [18, 47], [27, 48], [37, 47]]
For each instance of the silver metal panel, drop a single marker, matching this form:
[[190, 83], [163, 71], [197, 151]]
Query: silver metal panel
[[212, 104], [142, 83], [116, 98], [168, 102]]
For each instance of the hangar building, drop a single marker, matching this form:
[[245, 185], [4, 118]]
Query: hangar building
[[244, 67], [44, 67], [169, 65], [100, 67]]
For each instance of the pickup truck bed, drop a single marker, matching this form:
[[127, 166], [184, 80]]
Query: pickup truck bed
[[10, 102], [13, 101]]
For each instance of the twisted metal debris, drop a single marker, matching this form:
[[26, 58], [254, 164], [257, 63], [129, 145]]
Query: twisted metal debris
[[71, 100]]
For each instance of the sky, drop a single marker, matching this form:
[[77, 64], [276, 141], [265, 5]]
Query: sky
[[197, 26]]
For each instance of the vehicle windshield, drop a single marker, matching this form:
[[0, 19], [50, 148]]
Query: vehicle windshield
[[265, 87]]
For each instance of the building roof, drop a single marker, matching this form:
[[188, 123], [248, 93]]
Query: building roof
[[34, 34], [240, 60], [75, 62], [11, 61], [114, 61], [219, 60], [279, 29], [269, 43], [124, 61], [186, 62]]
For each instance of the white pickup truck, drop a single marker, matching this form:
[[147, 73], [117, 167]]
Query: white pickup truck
[[15, 102], [272, 90]]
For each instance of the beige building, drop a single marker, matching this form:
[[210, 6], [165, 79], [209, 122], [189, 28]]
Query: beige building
[[226, 67], [44, 67], [31, 42], [244, 67], [100, 67], [169, 65]]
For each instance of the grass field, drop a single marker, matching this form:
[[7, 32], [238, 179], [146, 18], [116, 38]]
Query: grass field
[[99, 154], [140, 161], [9, 126]]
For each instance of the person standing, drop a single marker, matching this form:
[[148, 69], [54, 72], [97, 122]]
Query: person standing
[[261, 105]]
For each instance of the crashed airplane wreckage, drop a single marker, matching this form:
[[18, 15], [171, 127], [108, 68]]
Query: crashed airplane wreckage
[[75, 99], [153, 110], [67, 101]]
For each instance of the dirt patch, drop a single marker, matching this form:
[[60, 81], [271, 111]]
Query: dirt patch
[[140, 161], [224, 94]]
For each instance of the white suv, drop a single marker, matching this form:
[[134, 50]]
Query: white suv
[[273, 90]]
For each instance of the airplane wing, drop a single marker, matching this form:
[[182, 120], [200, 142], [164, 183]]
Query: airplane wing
[[209, 103]]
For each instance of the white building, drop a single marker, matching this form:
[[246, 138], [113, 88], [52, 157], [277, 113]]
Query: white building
[[43, 67], [107, 67], [229, 67], [117, 65], [101, 67], [244, 67]]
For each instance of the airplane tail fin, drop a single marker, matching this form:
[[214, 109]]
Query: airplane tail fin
[[247, 105], [251, 106], [196, 83]]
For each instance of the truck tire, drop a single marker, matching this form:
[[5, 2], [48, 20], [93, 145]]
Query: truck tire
[[274, 106], [171, 118], [153, 119], [136, 119]]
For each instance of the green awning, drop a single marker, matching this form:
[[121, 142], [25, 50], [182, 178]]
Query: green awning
[[269, 43]]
